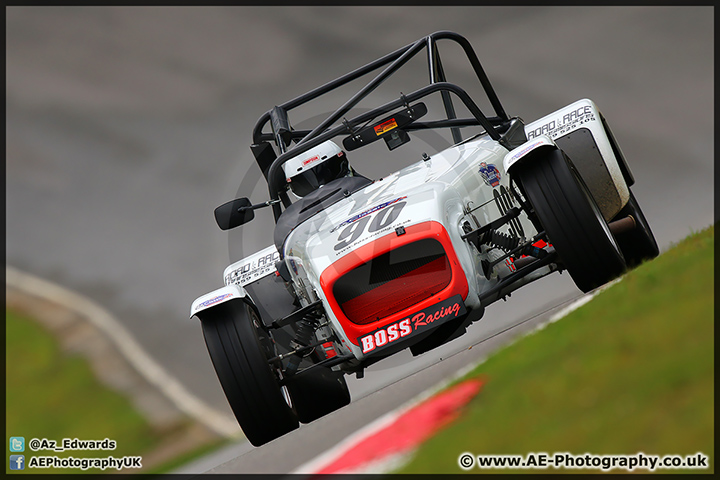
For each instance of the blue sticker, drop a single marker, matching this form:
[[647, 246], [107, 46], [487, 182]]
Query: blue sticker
[[368, 212], [490, 174], [215, 300]]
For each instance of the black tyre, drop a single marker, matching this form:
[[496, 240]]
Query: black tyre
[[239, 350], [572, 220], [638, 244], [318, 392]]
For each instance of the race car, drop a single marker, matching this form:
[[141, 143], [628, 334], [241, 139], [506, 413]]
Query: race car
[[359, 269]]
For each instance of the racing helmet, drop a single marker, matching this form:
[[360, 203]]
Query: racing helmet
[[316, 167]]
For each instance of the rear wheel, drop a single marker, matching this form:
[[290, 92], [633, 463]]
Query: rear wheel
[[318, 392], [239, 349], [572, 220], [639, 243]]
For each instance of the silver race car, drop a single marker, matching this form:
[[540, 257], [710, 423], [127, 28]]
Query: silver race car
[[359, 269]]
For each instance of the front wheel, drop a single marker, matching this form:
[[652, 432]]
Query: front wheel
[[571, 218], [239, 349]]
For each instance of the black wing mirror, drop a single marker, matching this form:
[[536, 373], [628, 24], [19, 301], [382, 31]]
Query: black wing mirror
[[238, 212], [234, 213]]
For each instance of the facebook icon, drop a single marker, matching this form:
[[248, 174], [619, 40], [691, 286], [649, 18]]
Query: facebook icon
[[17, 462]]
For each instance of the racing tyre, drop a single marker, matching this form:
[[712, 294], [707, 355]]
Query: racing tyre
[[572, 220], [239, 349], [318, 392], [638, 244]]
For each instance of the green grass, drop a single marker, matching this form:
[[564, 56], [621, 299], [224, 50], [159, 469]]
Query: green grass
[[631, 371], [53, 395]]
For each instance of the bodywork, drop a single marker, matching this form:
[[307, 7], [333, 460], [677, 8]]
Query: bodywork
[[460, 201]]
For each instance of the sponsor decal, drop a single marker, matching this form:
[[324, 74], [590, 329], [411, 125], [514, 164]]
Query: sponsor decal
[[490, 174], [254, 267], [214, 300], [367, 212], [561, 125], [408, 327], [385, 127], [525, 150], [310, 160]]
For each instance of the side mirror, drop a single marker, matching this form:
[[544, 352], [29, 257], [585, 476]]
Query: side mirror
[[234, 213]]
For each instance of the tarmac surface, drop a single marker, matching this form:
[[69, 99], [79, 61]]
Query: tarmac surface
[[127, 126]]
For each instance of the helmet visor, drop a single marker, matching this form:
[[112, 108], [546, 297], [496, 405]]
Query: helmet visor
[[327, 171]]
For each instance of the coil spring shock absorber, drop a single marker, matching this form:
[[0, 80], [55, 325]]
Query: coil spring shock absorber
[[303, 338], [503, 241]]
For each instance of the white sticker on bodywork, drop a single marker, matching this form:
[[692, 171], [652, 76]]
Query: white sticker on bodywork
[[221, 295], [564, 120], [517, 153], [252, 268]]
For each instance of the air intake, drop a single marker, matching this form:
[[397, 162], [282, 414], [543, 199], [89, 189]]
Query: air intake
[[393, 281]]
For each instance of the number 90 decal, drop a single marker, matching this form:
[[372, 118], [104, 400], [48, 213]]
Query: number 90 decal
[[383, 218]]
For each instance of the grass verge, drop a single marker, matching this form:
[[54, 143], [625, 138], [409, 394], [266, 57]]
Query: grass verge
[[631, 371], [52, 395]]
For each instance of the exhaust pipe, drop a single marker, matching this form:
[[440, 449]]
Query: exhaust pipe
[[623, 225]]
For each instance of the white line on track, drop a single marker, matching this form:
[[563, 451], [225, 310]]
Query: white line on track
[[132, 351]]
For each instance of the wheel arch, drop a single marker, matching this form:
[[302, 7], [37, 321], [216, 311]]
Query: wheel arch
[[538, 146], [209, 302], [622, 162]]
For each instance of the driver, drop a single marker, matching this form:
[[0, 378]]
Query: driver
[[316, 167]]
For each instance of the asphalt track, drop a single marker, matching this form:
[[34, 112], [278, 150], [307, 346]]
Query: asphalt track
[[127, 126]]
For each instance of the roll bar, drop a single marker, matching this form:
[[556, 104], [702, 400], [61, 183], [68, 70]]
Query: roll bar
[[283, 135]]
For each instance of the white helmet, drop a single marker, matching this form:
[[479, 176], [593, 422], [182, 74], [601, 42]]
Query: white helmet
[[316, 167]]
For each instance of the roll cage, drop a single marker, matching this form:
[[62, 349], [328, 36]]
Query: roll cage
[[282, 134]]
